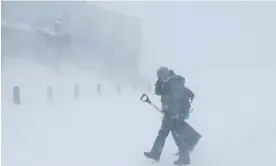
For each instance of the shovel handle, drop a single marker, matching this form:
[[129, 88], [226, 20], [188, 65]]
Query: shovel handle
[[145, 98]]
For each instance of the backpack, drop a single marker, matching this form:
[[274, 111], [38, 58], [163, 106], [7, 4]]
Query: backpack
[[187, 98], [189, 95]]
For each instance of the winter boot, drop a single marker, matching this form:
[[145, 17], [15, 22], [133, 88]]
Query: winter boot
[[191, 148], [152, 155], [184, 158], [191, 144]]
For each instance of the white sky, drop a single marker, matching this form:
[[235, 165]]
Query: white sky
[[206, 34]]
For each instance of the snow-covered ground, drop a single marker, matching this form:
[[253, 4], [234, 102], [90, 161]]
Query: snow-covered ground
[[234, 111]]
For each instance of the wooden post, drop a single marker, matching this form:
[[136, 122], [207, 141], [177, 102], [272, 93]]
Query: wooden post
[[76, 91], [49, 92], [118, 88], [149, 88], [16, 95], [134, 86], [99, 89]]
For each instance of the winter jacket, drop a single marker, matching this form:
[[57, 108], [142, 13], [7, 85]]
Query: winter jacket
[[172, 94]]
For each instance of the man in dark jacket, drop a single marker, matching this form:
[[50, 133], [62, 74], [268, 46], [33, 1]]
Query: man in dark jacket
[[171, 94], [188, 134]]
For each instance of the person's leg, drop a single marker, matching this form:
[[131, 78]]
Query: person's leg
[[190, 135], [160, 140], [180, 128], [174, 135], [183, 146]]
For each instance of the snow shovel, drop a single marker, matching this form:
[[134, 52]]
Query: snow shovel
[[146, 99]]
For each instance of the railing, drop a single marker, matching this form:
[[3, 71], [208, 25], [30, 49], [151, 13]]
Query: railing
[[76, 92]]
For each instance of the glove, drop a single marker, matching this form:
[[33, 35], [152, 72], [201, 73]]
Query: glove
[[158, 87], [165, 108]]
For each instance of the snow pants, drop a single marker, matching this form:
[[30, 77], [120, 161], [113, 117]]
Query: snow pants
[[169, 124]]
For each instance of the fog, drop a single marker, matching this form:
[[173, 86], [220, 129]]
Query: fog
[[202, 35], [225, 50], [73, 34], [214, 35]]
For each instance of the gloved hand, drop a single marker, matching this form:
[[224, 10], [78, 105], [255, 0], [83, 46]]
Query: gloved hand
[[165, 108], [158, 87]]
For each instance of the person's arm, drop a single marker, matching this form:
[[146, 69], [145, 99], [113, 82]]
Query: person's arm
[[190, 94], [158, 88]]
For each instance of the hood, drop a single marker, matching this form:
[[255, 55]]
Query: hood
[[176, 78]]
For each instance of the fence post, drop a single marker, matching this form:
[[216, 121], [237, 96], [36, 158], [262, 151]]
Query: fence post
[[118, 88], [16, 95], [134, 86], [49, 92], [76, 91], [149, 88], [99, 89]]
